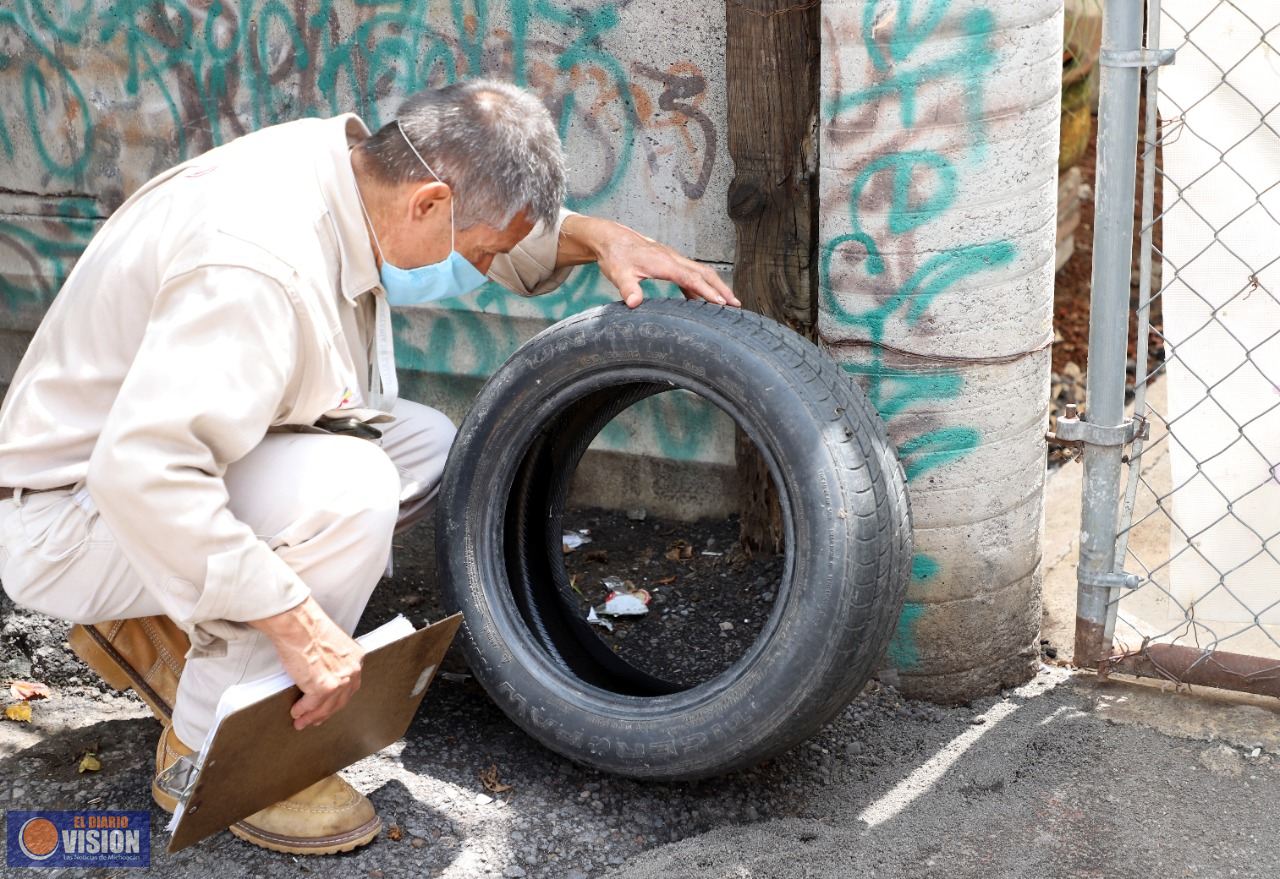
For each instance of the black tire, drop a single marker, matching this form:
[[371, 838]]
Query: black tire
[[847, 531]]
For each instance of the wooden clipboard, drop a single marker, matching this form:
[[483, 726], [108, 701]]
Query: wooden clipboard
[[257, 758]]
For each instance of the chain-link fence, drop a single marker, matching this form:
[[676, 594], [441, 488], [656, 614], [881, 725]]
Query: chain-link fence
[[1180, 552]]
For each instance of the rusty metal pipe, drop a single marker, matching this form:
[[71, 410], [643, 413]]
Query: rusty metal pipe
[[1191, 665]]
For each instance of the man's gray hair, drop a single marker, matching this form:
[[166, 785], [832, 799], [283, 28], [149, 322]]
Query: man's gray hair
[[492, 142]]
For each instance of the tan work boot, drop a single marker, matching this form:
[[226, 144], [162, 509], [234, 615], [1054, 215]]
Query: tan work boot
[[168, 750], [328, 817], [144, 654]]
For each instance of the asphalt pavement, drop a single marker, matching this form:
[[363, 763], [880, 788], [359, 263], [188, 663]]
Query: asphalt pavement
[[1055, 779]]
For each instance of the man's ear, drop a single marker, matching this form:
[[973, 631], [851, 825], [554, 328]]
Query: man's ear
[[427, 197]]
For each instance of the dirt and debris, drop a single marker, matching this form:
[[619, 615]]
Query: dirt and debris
[[34, 647], [696, 578], [596, 620], [625, 600], [573, 540]]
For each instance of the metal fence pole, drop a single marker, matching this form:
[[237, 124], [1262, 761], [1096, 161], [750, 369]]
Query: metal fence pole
[[1121, 60], [1151, 134]]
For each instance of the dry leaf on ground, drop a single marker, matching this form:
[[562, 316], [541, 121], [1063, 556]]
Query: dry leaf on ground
[[89, 763], [28, 690], [679, 551], [20, 711], [494, 785]]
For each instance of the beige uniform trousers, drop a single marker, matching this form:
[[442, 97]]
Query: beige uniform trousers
[[325, 504]]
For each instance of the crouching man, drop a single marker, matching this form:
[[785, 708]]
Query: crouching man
[[205, 428]]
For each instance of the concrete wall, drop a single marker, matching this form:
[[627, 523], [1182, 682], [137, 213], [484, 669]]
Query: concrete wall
[[939, 169], [98, 95]]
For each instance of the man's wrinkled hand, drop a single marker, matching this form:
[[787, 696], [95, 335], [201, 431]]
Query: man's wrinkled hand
[[626, 258], [323, 660]]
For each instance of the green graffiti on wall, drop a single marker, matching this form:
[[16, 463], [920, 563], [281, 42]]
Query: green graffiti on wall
[[103, 89], [921, 187], [98, 95]]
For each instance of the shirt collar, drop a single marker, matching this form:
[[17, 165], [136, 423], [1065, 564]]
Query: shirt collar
[[359, 271]]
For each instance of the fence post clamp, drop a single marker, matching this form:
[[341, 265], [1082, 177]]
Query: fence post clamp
[[1107, 579], [1136, 57], [1072, 430]]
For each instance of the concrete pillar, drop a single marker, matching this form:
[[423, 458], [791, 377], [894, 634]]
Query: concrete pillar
[[938, 195]]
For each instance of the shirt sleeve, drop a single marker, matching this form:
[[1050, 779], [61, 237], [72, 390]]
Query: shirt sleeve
[[530, 268], [217, 357]]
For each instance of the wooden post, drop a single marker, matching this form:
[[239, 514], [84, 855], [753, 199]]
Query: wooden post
[[773, 78]]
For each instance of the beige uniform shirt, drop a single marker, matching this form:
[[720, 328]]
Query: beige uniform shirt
[[231, 295]]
